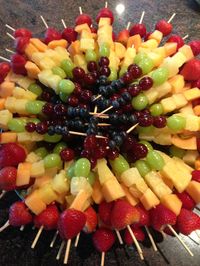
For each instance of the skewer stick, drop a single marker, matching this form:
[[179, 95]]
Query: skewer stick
[[5, 59], [84, 134], [44, 21], [60, 250], [103, 258], [131, 128], [10, 35], [63, 22], [185, 37], [22, 228], [4, 226], [163, 234], [97, 97], [3, 192], [180, 240], [128, 25], [136, 243], [95, 109], [67, 251], [80, 10], [54, 239], [77, 240], [104, 111], [9, 27], [151, 238], [10, 51], [119, 237], [170, 19], [37, 237], [106, 4], [142, 17]]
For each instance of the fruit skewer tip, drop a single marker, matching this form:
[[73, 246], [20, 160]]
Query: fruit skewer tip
[[80, 10], [3, 192], [60, 250], [142, 17], [5, 59], [140, 252], [7, 224], [37, 237], [103, 258], [9, 27], [54, 239], [171, 18], [119, 237], [10, 35], [67, 251], [44, 21], [64, 24], [151, 238], [77, 240], [128, 25], [10, 51]]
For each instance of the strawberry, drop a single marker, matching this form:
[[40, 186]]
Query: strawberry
[[191, 70], [123, 36], [160, 216], [187, 222], [19, 214], [104, 212], [11, 154], [70, 223], [195, 46], [196, 175], [91, 220], [187, 201], [138, 233], [144, 217], [123, 214], [8, 177], [103, 239], [164, 26], [48, 218], [176, 38]]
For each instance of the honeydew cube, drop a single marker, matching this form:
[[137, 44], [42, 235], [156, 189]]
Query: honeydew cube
[[192, 94], [34, 202], [62, 52], [32, 157], [163, 89], [193, 190], [114, 60], [172, 202], [156, 58], [133, 201], [190, 157], [104, 21], [104, 172], [168, 105], [179, 100], [179, 59], [149, 199], [130, 176], [172, 67], [47, 63], [152, 95], [5, 117], [120, 50], [53, 81], [7, 137], [23, 137], [187, 51], [156, 35], [20, 106], [152, 44], [187, 109], [37, 169], [80, 199], [81, 27], [47, 194], [23, 174], [55, 56], [86, 44], [97, 195], [129, 57], [177, 82], [112, 190], [44, 76], [80, 183]]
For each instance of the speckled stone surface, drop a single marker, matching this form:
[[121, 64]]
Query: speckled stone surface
[[15, 245]]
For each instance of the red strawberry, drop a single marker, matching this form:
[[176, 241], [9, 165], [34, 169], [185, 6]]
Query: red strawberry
[[191, 70], [160, 216], [177, 39], [188, 202], [19, 214], [138, 233], [103, 239], [104, 212], [196, 175], [123, 36], [91, 220], [123, 214], [164, 26], [144, 217], [187, 222], [70, 223], [195, 46], [48, 218], [8, 177], [11, 154]]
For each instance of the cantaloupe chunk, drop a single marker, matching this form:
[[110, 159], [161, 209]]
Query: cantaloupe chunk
[[134, 40], [197, 163], [35, 203], [197, 110], [112, 190], [41, 181], [192, 94], [81, 27], [187, 51], [149, 199], [47, 194], [119, 50], [79, 200], [193, 190], [7, 137], [168, 182], [40, 46], [61, 43], [129, 197], [97, 195], [74, 48], [2, 103], [23, 174], [30, 50], [172, 202], [156, 35], [6, 89], [187, 144], [177, 82], [170, 48], [32, 70]]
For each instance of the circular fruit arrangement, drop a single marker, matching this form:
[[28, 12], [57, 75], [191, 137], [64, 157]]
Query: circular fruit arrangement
[[100, 133]]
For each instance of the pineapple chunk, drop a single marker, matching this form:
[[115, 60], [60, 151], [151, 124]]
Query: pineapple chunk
[[81, 27], [41, 181], [120, 50], [44, 76], [179, 100], [192, 123], [104, 21], [130, 176], [179, 59], [172, 67], [37, 169], [7, 137], [187, 51], [156, 35], [177, 82], [5, 117], [135, 192], [60, 182], [20, 93], [192, 94], [97, 195], [79, 60], [151, 44], [129, 57], [168, 104], [80, 200], [193, 190], [62, 52], [149, 199], [23, 174], [47, 194], [133, 201], [34, 202], [112, 190], [172, 202], [47, 63], [32, 158], [86, 44], [104, 171]]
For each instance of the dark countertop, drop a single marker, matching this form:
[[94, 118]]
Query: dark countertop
[[15, 245]]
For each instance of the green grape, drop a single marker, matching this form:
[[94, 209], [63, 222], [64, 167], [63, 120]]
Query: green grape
[[113, 74], [82, 167], [156, 109], [147, 144], [146, 130], [139, 57], [59, 147], [52, 160], [122, 71], [140, 102], [34, 120], [155, 160], [104, 50], [142, 167], [119, 165], [90, 55], [52, 139], [59, 72], [41, 152], [177, 152], [35, 89], [66, 86], [146, 65], [176, 122], [160, 75], [67, 65], [91, 178], [63, 96], [17, 124], [70, 171], [34, 107]]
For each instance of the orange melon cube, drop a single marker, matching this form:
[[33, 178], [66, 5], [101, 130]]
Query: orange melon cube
[[30, 50], [6, 89], [62, 43], [193, 190], [74, 48], [2, 104], [32, 70], [112, 190], [134, 40], [149, 199], [80, 200], [168, 182], [156, 35], [119, 50], [23, 174], [81, 27], [172, 202], [7, 137], [97, 195], [187, 144], [39, 44], [129, 197], [197, 110], [187, 51], [41, 181], [170, 48], [35, 203]]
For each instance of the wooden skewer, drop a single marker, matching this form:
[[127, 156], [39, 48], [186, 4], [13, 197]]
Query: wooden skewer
[[77, 240], [80, 10], [10, 51], [54, 239], [97, 97], [136, 243], [151, 238], [10, 35], [106, 4], [103, 258], [7, 224], [44, 21], [9, 27], [180, 240], [37, 237], [128, 25], [67, 251], [3, 192], [131, 128], [170, 19], [60, 250], [104, 111], [142, 17], [185, 37], [84, 134], [22, 228], [5, 59], [163, 234], [63, 22], [95, 109], [119, 237]]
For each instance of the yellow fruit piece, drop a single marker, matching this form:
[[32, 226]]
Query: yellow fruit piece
[[86, 44], [130, 176], [104, 21], [60, 182], [192, 123], [120, 50], [6, 89], [190, 157], [112, 190], [40, 46], [182, 165], [97, 195], [47, 63], [74, 48], [156, 35], [179, 59], [177, 82], [135, 192], [5, 117], [134, 41], [81, 27], [20, 93], [32, 157], [197, 110], [7, 137], [170, 48], [168, 105], [168, 182], [193, 190], [160, 51], [62, 43], [32, 70], [41, 181], [149, 199], [187, 109], [23, 174], [86, 34], [30, 50], [104, 171], [79, 60], [156, 58], [61, 199], [37, 169], [171, 65], [79, 200], [187, 51], [192, 94], [151, 44], [47, 194], [179, 100], [129, 57], [34, 202], [172, 202], [133, 201], [2, 104], [187, 144]]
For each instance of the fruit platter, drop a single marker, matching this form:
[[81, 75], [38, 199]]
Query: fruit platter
[[99, 136]]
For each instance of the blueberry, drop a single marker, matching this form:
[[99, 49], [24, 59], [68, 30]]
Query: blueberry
[[133, 119], [115, 104], [121, 101], [126, 96], [51, 130], [94, 120], [112, 144], [83, 113], [123, 134], [118, 139], [70, 111]]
